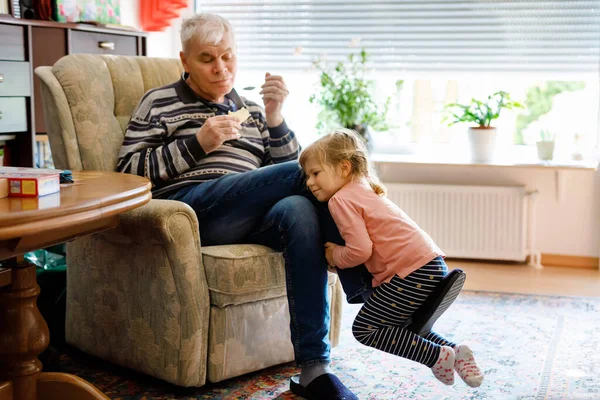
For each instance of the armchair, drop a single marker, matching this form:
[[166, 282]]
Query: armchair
[[147, 295]]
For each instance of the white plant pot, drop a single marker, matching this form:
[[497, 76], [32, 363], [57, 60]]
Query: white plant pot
[[545, 149], [483, 143]]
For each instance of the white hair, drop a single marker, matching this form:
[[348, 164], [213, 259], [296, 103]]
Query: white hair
[[208, 28]]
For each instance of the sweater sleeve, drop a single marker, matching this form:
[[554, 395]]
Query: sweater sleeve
[[148, 152], [280, 142], [352, 227]]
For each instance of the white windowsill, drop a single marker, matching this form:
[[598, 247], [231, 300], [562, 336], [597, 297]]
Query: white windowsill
[[512, 157]]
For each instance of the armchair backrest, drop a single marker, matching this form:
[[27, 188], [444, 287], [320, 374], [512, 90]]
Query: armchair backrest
[[88, 100]]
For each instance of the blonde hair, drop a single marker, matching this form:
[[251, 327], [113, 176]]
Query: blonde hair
[[209, 28], [344, 145]]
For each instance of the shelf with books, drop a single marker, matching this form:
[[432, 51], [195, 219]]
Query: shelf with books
[[43, 155]]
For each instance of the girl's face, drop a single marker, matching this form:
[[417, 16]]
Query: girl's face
[[324, 180]]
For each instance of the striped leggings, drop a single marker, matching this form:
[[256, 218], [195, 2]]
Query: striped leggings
[[378, 324]]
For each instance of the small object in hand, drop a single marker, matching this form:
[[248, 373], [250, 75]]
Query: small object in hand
[[241, 115], [249, 88], [66, 176]]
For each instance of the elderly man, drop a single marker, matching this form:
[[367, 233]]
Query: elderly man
[[242, 180]]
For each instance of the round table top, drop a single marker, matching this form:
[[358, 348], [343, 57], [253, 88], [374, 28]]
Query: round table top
[[93, 196]]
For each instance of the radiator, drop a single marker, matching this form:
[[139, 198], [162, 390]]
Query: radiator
[[472, 222]]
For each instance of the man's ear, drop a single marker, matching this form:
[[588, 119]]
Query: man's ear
[[346, 168], [183, 61]]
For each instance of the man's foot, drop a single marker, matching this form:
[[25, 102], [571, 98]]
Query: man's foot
[[466, 366], [308, 374], [443, 369], [323, 387]]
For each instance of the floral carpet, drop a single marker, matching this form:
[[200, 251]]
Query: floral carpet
[[530, 347]]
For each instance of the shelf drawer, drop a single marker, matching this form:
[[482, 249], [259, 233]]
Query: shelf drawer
[[14, 79], [12, 45], [103, 43], [13, 114]]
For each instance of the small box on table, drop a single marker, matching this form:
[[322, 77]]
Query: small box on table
[[31, 182]]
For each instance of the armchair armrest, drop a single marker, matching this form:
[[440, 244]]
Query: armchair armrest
[[160, 222]]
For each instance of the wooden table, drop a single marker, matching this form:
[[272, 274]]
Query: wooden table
[[92, 204]]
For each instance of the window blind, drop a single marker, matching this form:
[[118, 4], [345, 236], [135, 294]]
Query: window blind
[[555, 36]]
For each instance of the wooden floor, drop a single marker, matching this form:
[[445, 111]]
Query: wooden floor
[[519, 278]]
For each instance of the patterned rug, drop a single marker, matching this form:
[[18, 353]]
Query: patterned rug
[[531, 347]]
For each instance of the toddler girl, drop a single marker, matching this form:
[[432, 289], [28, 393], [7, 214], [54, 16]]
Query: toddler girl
[[405, 262]]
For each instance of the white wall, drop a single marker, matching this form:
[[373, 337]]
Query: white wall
[[571, 227]]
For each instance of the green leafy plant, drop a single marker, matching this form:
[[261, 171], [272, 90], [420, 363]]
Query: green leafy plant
[[482, 113], [399, 85], [539, 101], [345, 96], [546, 135]]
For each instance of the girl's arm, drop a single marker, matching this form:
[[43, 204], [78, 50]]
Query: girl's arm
[[352, 227]]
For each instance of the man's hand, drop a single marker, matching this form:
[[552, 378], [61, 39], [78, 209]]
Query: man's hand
[[329, 247], [217, 130], [274, 93]]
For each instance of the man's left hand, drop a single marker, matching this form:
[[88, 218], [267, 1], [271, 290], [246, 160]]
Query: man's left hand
[[329, 247], [274, 92]]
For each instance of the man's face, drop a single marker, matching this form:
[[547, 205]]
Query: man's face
[[211, 68]]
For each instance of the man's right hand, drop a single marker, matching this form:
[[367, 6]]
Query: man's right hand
[[217, 130]]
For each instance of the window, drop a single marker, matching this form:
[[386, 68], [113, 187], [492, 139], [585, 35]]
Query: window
[[546, 54]]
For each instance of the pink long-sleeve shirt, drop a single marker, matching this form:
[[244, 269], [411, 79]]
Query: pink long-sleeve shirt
[[378, 234]]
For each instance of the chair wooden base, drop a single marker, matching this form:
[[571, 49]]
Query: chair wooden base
[[23, 327], [57, 386]]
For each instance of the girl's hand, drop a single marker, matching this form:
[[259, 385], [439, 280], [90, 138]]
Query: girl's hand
[[329, 247]]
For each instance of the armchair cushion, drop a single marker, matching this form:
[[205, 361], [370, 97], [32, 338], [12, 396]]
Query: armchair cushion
[[244, 273]]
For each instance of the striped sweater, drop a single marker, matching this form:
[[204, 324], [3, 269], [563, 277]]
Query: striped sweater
[[160, 141]]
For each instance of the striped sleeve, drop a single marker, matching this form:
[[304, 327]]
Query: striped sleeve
[[149, 152], [280, 142]]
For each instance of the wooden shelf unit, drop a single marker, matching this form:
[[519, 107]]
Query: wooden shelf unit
[[28, 44]]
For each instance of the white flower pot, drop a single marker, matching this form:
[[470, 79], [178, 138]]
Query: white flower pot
[[483, 143], [545, 149]]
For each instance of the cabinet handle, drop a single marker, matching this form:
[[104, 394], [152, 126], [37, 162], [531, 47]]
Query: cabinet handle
[[107, 45], [0, 114], [1, 78]]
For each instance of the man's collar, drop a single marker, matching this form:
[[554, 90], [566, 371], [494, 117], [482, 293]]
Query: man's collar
[[187, 95]]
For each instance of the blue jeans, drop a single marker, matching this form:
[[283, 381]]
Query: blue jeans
[[271, 206], [356, 280]]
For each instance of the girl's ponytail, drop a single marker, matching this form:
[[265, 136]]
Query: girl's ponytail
[[377, 187]]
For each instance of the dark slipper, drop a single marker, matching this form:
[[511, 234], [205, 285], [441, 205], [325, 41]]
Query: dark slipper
[[440, 299], [324, 387]]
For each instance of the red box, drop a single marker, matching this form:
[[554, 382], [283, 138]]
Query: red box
[[31, 182]]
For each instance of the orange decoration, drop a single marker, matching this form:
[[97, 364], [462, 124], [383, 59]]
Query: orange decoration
[[155, 15]]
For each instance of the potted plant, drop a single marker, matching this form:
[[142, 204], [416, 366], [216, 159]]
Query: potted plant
[[345, 98], [482, 136], [545, 146]]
